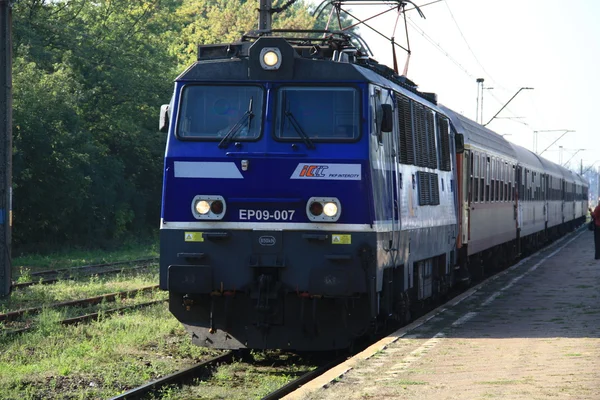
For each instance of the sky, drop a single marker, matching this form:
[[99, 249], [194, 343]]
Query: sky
[[549, 45]]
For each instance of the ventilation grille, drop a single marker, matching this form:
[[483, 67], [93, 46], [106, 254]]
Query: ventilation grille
[[442, 124], [429, 190], [407, 147], [430, 139]]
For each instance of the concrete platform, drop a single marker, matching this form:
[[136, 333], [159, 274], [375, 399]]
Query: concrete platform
[[531, 332]]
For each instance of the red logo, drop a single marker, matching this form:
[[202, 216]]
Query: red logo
[[312, 171]]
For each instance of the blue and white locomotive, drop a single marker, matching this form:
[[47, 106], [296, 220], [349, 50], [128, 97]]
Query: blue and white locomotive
[[311, 195], [289, 218]]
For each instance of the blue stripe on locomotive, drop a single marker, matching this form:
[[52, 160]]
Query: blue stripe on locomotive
[[262, 186]]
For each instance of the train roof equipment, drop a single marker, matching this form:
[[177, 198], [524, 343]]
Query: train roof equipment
[[289, 46]]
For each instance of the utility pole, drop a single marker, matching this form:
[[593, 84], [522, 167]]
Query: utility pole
[[265, 15], [479, 94], [5, 145]]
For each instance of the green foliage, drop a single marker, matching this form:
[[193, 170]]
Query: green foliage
[[89, 78]]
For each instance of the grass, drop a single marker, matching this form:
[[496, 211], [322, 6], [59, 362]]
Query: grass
[[25, 264], [38, 295], [94, 360], [101, 359]]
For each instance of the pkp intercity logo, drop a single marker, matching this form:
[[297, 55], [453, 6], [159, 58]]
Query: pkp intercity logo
[[312, 171], [337, 172]]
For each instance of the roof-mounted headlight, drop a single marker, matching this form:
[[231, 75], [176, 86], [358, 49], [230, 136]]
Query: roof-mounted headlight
[[270, 58], [323, 209], [208, 207]]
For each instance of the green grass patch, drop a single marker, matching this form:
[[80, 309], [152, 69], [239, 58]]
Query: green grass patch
[[573, 354], [67, 258], [39, 295], [94, 360]]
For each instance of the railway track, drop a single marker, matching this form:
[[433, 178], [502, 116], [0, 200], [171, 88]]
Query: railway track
[[55, 275], [205, 370], [179, 377], [90, 301], [14, 315], [88, 317]]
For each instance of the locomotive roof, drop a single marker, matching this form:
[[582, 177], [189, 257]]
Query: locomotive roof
[[334, 57]]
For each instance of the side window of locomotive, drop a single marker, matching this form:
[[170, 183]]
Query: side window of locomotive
[[210, 112], [321, 113]]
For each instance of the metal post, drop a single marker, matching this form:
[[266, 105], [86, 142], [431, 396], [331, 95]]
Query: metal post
[[479, 93], [5, 145], [264, 15]]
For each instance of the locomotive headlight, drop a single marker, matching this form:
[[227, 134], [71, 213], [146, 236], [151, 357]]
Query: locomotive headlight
[[330, 209], [323, 209], [208, 207], [270, 58], [203, 207]]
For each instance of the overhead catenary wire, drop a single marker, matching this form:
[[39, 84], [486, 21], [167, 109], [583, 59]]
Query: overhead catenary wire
[[438, 46]]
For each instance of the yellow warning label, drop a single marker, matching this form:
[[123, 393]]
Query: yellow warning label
[[194, 237], [341, 239]]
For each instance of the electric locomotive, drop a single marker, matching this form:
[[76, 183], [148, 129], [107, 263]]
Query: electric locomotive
[[308, 194], [311, 195]]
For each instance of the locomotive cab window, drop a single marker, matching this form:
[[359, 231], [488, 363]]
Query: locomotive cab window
[[213, 112], [319, 113]]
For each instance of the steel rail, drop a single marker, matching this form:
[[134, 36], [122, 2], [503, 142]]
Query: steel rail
[[309, 376], [13, 315], [87, 317], [54, 280], [109, 264], [177, 377]]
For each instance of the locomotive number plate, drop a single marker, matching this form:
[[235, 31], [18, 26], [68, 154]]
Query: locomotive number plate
[[266, 215]]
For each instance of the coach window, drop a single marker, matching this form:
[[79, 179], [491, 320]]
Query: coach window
[[476, 175], [471, 169], [506, 181], [493, 193], [319, 113], [501, 165], [533, 186], [482, 178], [530, 185], [487, 179], [514, 183], [498, 178], [491, 180], [511, 174], [473, 190]]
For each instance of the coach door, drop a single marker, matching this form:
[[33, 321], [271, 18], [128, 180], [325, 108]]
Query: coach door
[[520, 191]]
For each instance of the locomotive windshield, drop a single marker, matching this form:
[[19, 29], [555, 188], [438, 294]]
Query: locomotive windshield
[[317, 113], [216, 112]]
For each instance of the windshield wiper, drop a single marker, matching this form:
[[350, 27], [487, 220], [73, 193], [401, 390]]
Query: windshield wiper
[[309, 143], [248, 115]]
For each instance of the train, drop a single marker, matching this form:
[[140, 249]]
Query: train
[[312, 196]]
